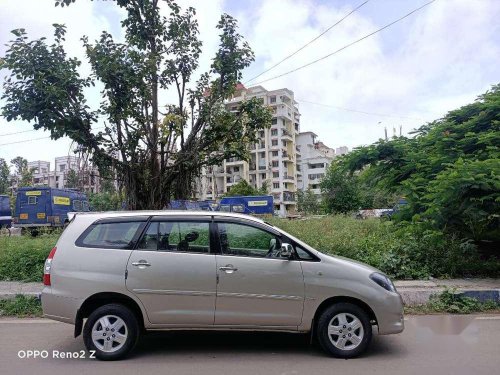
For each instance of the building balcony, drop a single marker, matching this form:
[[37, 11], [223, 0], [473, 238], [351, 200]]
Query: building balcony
[[289, 196], [289, 178]]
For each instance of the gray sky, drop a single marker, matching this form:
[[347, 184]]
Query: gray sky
[[436, 60]]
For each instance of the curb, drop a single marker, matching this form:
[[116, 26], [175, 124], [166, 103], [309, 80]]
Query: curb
[[420, 296]]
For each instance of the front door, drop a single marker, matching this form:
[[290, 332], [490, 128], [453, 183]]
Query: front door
[[256, 286], [173, 273]]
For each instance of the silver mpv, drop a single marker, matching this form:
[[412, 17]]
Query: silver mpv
[[123, 273]]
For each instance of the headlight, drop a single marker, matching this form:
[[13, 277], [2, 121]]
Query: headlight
[[383, 281]]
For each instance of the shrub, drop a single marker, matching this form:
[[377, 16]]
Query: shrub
[[22, 258]]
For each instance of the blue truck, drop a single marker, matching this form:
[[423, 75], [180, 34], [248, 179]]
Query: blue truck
[[253, 205], [5, 213], [46, 207]]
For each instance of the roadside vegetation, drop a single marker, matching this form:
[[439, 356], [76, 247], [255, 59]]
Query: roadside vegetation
[[22, 257], [403, 251], [452, 302], [21, 307]]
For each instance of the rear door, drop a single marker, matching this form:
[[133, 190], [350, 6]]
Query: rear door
[[256, 286], [172, 271]]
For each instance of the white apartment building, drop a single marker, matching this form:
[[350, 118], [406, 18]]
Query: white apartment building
[[273, 157], [57, 178], [315, 158]]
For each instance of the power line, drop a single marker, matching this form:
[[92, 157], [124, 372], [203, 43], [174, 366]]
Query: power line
[[347, 45], [24, 131], [359, 111], [33, 139], [308, 43]]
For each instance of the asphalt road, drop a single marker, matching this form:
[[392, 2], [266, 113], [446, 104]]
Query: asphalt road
[[442, 344]]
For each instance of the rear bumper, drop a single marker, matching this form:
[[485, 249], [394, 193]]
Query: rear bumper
[[59, 308]]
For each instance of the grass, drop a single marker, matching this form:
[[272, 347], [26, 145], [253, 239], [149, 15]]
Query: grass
[[403, 252], [21, 307], [453, 303], [22, 257]]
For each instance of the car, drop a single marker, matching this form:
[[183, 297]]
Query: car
[[118, 275]]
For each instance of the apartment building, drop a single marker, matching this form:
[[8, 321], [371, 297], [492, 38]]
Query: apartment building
[[273, 157], [315, 158], [88, 177]]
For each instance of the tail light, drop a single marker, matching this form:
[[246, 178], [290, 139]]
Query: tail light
[[47, 266]]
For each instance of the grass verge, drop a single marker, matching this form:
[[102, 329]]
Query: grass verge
[[451, 302], [21, 307]]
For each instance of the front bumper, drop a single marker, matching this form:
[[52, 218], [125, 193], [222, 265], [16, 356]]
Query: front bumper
[[390, 318]]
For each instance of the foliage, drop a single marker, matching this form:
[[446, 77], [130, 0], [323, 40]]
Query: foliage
[[23, 173], [340, 190], [21, 306], [22, 258], [105, 201], [4, 177], [72, 180], [157, 149], [308, 202], [243, 188], [402, 251], [450, 301], [449, 172]]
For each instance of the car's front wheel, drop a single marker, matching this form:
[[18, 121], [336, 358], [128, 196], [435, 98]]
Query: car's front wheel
[[111, 331], [344, 330]]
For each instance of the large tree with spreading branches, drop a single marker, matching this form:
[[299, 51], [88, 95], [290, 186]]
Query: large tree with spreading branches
[[157, 149]]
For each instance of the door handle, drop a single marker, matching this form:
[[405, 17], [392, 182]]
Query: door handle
[[141, 263], [229, 268]]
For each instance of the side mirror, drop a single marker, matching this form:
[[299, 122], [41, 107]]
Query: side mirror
[[286, 250]]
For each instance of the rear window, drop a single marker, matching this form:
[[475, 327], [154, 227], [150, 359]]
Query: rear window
[[119, 235]]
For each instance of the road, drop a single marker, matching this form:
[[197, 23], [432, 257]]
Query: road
[[438, 344]]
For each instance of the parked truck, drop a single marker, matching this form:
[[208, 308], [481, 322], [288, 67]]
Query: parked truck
[[254, 205], [5, 213], [46, 207]]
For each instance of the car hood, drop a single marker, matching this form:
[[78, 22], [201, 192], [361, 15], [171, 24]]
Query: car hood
[[340, 260]]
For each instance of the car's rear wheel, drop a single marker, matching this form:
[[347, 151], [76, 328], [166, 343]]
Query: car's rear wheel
[[111, 331], [344, 330]]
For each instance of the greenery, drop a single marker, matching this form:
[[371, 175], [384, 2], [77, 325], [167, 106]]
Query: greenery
[[72, 180], [452, 302], [449, 173], [4, 177], [22, 257], [105, 201], [243, 188], [403, 251], [22, 171], [308, 203], [21, 306], [157, 149]]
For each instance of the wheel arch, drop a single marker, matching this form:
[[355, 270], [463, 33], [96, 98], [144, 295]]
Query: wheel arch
[[344, 299], [103, 298]]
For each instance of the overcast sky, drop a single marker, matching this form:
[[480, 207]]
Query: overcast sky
[[436, 60]]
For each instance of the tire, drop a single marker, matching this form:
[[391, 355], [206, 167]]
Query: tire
[[342, 320], [114, 316]]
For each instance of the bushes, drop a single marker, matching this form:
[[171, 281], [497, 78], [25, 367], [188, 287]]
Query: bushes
[[22, 258], [21, 306], [403, 251]]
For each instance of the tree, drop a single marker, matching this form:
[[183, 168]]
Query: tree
[[449, 171], [242, 188], [157, 149], [4, 177], [23, 173], [72, 180], [307, 202], [340, 190]]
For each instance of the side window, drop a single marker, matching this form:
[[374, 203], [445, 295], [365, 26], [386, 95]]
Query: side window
[[244, 240], [85, 206], [179, 236], [149, 240], [32, 200], [302, 254], [109, 235]]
